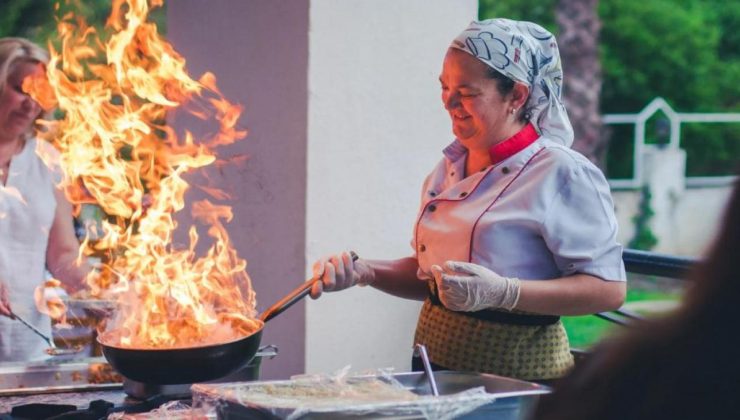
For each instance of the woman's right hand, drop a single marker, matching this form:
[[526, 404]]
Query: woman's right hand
[[4, 301], [338, 272]]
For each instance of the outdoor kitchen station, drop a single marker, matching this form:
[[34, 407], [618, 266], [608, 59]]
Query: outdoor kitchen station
[[175, 151]]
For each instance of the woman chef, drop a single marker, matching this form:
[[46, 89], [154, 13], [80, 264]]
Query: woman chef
[[515, 229]]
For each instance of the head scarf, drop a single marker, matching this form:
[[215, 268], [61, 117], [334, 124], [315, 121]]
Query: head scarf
[[527, 53]]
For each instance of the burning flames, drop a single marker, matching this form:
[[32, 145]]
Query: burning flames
[[116, 93]]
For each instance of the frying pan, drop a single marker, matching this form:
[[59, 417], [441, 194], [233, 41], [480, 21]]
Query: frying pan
[[196, 364]]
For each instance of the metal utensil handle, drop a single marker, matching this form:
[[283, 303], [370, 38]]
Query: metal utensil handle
[[269, 351], [422, 350], [34, 329], [297, 294]]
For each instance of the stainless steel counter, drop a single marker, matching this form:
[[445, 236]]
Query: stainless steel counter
[[80, 382], [463, 395], [55, 375], [59, 381]]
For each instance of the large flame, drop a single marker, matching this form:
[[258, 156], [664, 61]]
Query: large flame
[[115, 93]]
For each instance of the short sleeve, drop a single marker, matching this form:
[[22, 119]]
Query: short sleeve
[[580, 227]]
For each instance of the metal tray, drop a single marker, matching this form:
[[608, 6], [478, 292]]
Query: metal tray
[[85, 374], [504, 398]]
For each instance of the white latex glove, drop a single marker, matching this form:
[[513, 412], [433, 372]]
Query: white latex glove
[[469, 287], [338, 272]]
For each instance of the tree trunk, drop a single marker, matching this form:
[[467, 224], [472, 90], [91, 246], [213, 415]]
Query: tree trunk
[[578, 41]]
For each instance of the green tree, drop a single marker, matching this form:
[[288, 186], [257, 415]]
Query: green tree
[[644, 238], [541, 12], [579, 26], [657, 48], [36, 19], [685, 51], [25, 18]]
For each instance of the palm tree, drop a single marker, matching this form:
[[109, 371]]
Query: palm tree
[[579, 25]]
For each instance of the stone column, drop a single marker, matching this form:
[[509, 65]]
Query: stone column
[[258, 50], [664, 175], [376, 128]]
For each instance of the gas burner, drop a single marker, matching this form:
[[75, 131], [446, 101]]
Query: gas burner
[[97, 409], [62, 391]]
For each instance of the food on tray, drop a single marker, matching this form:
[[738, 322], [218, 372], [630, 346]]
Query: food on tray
[[316, 393], [103, 373]]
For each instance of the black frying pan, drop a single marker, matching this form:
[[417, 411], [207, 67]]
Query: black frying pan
[[196, 364]]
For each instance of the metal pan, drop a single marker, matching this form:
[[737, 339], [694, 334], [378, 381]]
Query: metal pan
[[195, 364]]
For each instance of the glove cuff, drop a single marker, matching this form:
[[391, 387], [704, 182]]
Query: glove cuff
[[365, 273], [510, 297]]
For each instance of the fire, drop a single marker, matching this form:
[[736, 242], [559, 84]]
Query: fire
[[116, 150], [50, 303]]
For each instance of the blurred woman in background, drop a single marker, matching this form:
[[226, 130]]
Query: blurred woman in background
[[36, 225], [681, 366]]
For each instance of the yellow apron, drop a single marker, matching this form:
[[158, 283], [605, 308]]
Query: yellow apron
[[461, 342]]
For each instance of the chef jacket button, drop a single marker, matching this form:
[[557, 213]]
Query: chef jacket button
[[432, 193], [505, 170], [571, 265], [463, 194], [432, 207], [452, 173], [422, 248]]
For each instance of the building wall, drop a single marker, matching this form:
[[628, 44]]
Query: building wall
[[376, 128], [696, 215], [258, 50]]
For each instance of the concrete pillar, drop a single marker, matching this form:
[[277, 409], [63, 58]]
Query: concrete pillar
[[664, 175], [376, 128], [258, 50]]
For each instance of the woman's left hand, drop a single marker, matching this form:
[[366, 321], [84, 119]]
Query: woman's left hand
[[469, 287]]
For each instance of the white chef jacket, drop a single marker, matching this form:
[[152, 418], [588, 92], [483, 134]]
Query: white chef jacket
[[24, 237], [544, 212]]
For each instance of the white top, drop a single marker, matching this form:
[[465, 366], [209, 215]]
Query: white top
[[27, 207], [542, 213]]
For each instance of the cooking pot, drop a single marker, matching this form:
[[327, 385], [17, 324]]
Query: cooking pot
[[195, 364]]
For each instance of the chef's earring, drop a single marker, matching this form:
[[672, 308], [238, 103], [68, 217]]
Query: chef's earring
[[512, 111]]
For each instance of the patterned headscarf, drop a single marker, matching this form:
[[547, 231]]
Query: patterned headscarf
[[527, 53]]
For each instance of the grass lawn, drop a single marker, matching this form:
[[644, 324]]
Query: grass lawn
[[584, 331]]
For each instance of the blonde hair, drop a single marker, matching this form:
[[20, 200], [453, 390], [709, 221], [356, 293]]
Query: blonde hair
[[14, 51]]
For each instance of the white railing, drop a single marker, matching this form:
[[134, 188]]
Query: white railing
[[675, 120]]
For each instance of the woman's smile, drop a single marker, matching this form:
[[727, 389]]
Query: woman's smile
[[459, 117]]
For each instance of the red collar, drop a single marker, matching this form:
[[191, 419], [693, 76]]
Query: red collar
[[513, 144]]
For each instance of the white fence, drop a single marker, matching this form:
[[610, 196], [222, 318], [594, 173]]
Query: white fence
[[675, 119], [686, 210]]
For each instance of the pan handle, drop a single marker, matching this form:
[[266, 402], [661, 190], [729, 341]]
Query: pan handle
[[297, 294]]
